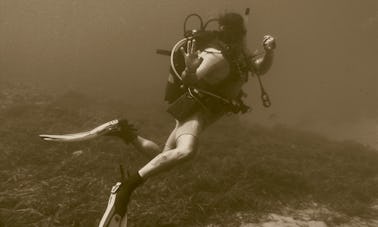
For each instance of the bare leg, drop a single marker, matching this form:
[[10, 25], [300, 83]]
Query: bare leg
[[176, 150], [171, 141], [186, 148], [146, 147], [186, 136], [150, 148]]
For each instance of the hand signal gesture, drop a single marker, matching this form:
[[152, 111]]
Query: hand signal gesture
[[191, 56]]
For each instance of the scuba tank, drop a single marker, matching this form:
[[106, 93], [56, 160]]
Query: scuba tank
[[202, 36]]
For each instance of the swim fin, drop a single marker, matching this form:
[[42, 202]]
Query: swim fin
[[113, 216], [82, 136]]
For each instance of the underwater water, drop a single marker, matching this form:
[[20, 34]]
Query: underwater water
[[67, 66], [324, 71]]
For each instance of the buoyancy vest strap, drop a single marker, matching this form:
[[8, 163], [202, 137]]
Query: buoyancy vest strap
[[208, 93]]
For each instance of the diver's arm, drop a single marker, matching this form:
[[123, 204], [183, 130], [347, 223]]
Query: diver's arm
[[192, 62], [189, 77], [213, 69], [201, 66], [262, 63]]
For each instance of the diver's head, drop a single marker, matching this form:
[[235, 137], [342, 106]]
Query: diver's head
[[232, 28]]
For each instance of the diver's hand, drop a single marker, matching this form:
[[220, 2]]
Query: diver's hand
[[191, 56], [269, 43]]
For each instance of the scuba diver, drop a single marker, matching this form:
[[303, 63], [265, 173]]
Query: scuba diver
[[208, 70]]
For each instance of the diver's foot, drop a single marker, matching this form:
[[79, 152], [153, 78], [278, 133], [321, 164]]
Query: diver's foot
[[122, 129], [115, 212], [118, 201]]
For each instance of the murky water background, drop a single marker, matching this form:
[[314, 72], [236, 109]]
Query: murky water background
[[324, 77]]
